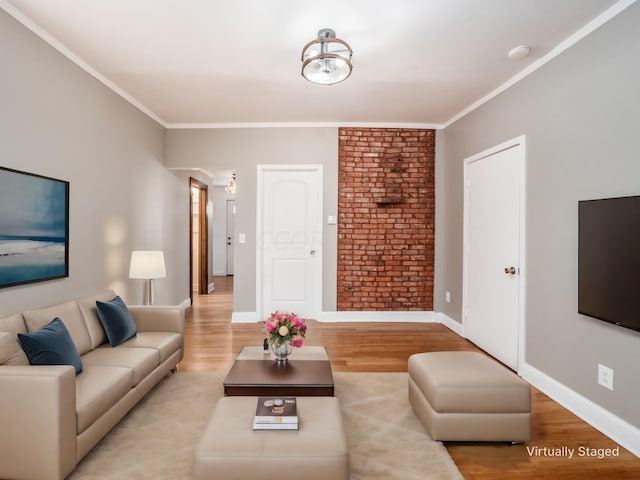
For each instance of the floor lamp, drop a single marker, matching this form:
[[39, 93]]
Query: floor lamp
[[147, 265]]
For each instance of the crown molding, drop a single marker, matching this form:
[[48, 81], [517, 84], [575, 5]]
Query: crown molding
[[557, 50], [193, 126], [64, 50]]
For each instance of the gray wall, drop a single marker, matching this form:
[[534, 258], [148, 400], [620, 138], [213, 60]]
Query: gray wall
[[57, 121], [242, 150], [580, 117]]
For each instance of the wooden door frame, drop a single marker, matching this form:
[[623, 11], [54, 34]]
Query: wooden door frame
[[203, 261]]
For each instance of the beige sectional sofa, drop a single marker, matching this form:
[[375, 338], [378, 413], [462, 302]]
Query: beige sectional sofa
[[50, 418]]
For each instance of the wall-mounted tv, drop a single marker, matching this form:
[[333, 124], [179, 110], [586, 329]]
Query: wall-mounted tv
[[609, 260]]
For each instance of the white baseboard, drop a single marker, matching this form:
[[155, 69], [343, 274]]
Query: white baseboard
[[415, 316], [450, 323], [245, 317], [410, 316], [211, 287], [606, 422], [186, 303]]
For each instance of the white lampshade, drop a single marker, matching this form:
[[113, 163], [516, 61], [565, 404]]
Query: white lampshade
[[147, 264], [326, 60]]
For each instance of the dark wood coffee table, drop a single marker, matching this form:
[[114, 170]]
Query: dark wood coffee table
[[306, 373]]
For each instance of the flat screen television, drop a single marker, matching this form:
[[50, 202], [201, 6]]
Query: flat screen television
[[609, 260]]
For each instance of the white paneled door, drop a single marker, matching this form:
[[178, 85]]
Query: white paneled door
[[493, 258], [290, 239]]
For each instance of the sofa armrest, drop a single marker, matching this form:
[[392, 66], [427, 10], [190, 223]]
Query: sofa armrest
[[37, 421], [150, 318]]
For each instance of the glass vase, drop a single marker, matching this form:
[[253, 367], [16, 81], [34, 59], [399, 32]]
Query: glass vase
[[281, 351]]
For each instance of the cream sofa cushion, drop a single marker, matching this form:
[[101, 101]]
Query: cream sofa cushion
[[10, 351], [70, 314], [142, 361], [97, 390], [88, 308], [165, 342], [13, 323]]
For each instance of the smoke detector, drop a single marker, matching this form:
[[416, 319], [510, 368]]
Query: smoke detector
[[519, 52]]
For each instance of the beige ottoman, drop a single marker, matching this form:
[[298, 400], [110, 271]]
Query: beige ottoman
[[230, 450], [466, 396]]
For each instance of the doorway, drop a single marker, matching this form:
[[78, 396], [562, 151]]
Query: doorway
[[289, 250], [493, 260], [231, 226], [198, 241]]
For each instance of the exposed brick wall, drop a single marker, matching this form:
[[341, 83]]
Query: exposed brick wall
[[386, 219]]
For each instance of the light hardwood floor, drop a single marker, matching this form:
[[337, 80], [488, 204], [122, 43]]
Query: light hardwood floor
[[212, 342]]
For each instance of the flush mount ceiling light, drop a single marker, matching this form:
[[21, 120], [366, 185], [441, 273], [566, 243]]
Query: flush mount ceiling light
[[326, 60]]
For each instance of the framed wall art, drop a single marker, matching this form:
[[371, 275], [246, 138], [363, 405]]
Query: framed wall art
[[34, 228]]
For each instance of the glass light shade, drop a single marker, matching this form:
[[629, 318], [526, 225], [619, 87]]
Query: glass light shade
[[147, 264], [326, 60]]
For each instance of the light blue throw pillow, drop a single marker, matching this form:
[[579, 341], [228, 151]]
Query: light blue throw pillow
[[51, 345], [116, 320]]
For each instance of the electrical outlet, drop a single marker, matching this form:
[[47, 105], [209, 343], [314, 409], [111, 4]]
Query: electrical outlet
[[447, 296], [605, 377]]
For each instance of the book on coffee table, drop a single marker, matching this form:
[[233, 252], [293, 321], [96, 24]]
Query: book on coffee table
[[276, 413]]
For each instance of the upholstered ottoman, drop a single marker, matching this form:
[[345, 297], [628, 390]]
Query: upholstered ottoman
[[467, 396], [230, 449]]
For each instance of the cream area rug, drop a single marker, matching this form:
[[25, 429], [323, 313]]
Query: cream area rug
[[158, 438]]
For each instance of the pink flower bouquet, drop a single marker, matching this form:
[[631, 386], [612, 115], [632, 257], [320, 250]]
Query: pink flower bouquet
[[283, 326]]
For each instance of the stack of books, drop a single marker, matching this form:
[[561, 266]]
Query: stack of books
[[276, 413]]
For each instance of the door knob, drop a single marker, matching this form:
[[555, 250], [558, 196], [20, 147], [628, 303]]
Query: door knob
[[510, 270], [312, 252]]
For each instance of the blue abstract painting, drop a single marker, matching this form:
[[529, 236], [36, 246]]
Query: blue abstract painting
[[34, 228]]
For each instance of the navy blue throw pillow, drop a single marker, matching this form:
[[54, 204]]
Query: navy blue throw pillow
[[116, 320], [51, 345]]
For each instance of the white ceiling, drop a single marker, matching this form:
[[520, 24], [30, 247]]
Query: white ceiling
[[237, 62]]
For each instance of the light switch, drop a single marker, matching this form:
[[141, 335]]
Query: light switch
[[332, 220], [242, 238]]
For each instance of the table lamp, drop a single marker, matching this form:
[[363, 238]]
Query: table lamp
[[147, 265]]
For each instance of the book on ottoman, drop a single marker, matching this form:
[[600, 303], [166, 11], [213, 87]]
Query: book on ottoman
[[276, 413]]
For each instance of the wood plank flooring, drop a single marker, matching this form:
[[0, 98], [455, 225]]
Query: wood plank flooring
[[212, 342]]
